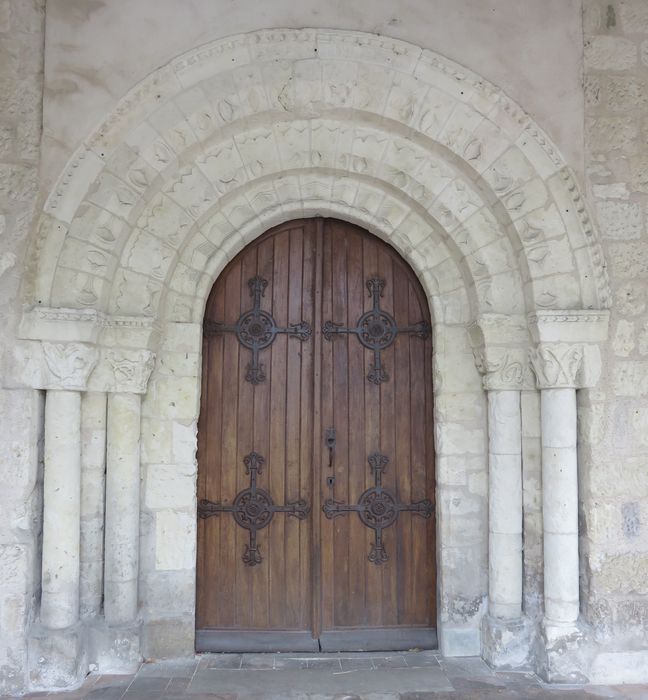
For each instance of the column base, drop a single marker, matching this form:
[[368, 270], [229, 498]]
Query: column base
[[565, 652], [506, 644], [57, 659], [114, 649]]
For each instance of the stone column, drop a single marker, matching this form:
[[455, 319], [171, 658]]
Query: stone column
[[115, 644], [57, 647], [558, 368], [504, 505], [93, 468], [499, 344], [560, 505], [566, 358], [61, 510], [122, 509]]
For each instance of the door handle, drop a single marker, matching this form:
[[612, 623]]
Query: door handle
[[329, 440]]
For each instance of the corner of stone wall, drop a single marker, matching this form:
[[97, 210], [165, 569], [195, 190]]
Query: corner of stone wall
[[613, 431], [21, 78]]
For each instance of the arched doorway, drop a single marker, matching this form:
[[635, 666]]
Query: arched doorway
[[315, 448]]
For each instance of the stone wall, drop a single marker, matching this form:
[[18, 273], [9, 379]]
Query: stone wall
[[614, 417], [21, 85], [614, 474]]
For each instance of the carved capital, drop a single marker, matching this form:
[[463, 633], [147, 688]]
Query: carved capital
[[502, 368], [68, 365], [499, 343], [558, 365], [130, 369]]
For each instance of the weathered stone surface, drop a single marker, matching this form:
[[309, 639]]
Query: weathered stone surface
[[620, 220], [607, 134], [168, 638], [610, 53], [634, 16], [626, 93], [624, 338], [57, 658], [115, 649]]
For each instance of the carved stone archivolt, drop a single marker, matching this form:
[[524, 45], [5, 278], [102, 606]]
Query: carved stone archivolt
[[242, 149]]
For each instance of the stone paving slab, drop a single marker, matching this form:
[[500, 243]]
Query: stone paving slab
[[350, 676]]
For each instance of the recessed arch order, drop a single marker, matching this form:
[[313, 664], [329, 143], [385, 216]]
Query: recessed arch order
[[240, 135], [243, 133]]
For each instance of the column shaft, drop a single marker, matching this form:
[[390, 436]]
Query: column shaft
[[122, 509], [61, 509], [560, 505], [93, 468], [505, 504]]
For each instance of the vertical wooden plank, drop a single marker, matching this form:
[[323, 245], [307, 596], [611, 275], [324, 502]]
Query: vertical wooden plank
[[389, 571], [228, 546], [304, 486], [341, 526], [211, 420], [244, 445], [276, 466], [317, 472], [372, 400], [259, 588], [293, 295], [357, 552], [403, 387], [327, 421]]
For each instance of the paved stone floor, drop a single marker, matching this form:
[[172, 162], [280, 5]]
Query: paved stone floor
[[400, 676]]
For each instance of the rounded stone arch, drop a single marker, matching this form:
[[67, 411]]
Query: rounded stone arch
[[242, 134], [255, 128]]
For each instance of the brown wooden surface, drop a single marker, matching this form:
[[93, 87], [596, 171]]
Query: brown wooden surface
[[315, 575]]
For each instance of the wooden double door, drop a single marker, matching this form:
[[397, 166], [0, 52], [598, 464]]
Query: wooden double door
[[315, 448]]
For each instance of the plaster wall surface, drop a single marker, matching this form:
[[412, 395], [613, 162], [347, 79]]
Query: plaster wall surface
[[96, 50]]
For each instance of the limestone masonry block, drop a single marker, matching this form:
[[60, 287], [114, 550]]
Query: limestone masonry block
[[610, 53]]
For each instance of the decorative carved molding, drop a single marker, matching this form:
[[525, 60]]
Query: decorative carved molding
[[131, 369], [558, 365], [569, 325], [69, 364], [83, 325]]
